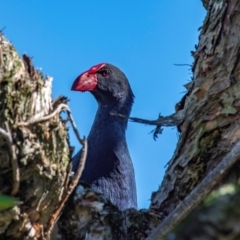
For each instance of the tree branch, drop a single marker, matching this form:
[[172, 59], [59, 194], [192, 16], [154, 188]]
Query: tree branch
[[198, 194], [168, 121], [6, 134]]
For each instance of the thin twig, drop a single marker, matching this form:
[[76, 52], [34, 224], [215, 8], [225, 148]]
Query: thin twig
[[15, 167], [41, 200], [57, 212], [75, 127], [168, 121], [182, 64], [69, 171], [197, 194], [6, 134], [37, 119], [73, 184], [16, 172], [61, 107]]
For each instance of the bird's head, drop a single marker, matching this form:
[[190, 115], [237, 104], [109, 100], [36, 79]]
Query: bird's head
[[106, 82]]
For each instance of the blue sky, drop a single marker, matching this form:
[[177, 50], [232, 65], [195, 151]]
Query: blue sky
[[143, 38]]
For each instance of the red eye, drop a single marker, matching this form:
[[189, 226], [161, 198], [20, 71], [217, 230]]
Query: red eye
[[105, 73]]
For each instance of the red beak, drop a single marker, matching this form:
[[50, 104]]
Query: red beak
[[85, 82]]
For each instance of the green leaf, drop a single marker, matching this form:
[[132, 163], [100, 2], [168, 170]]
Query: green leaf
[[7, 202]]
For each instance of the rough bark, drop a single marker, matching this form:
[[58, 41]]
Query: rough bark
[[217, 218], [210, 128], [211, 125], [35, 155]]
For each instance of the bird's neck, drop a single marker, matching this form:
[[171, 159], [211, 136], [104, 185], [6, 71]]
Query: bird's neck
[[108, 125], [107, 147], [107, 120]]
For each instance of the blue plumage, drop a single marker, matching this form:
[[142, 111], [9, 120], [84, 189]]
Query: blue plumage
[[109, 168]]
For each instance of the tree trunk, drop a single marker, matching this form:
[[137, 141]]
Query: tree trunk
[[210, 127], [34, 156], [35, 164]]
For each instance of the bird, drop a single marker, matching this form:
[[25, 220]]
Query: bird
[[108, 168]]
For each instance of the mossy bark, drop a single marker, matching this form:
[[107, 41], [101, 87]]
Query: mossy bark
[[33, 164]]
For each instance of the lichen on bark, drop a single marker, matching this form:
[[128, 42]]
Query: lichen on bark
[[33, 163]]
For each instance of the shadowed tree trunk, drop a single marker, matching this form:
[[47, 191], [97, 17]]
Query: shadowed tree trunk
[[35, 154]]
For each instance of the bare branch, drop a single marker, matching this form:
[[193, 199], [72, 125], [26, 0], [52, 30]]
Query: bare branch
[[197, 194], [73, 184], [70, 189], [15, 169], [37, 119], [182, 64], [168, 121], [16, 172], [5, 134], [75, 127]]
